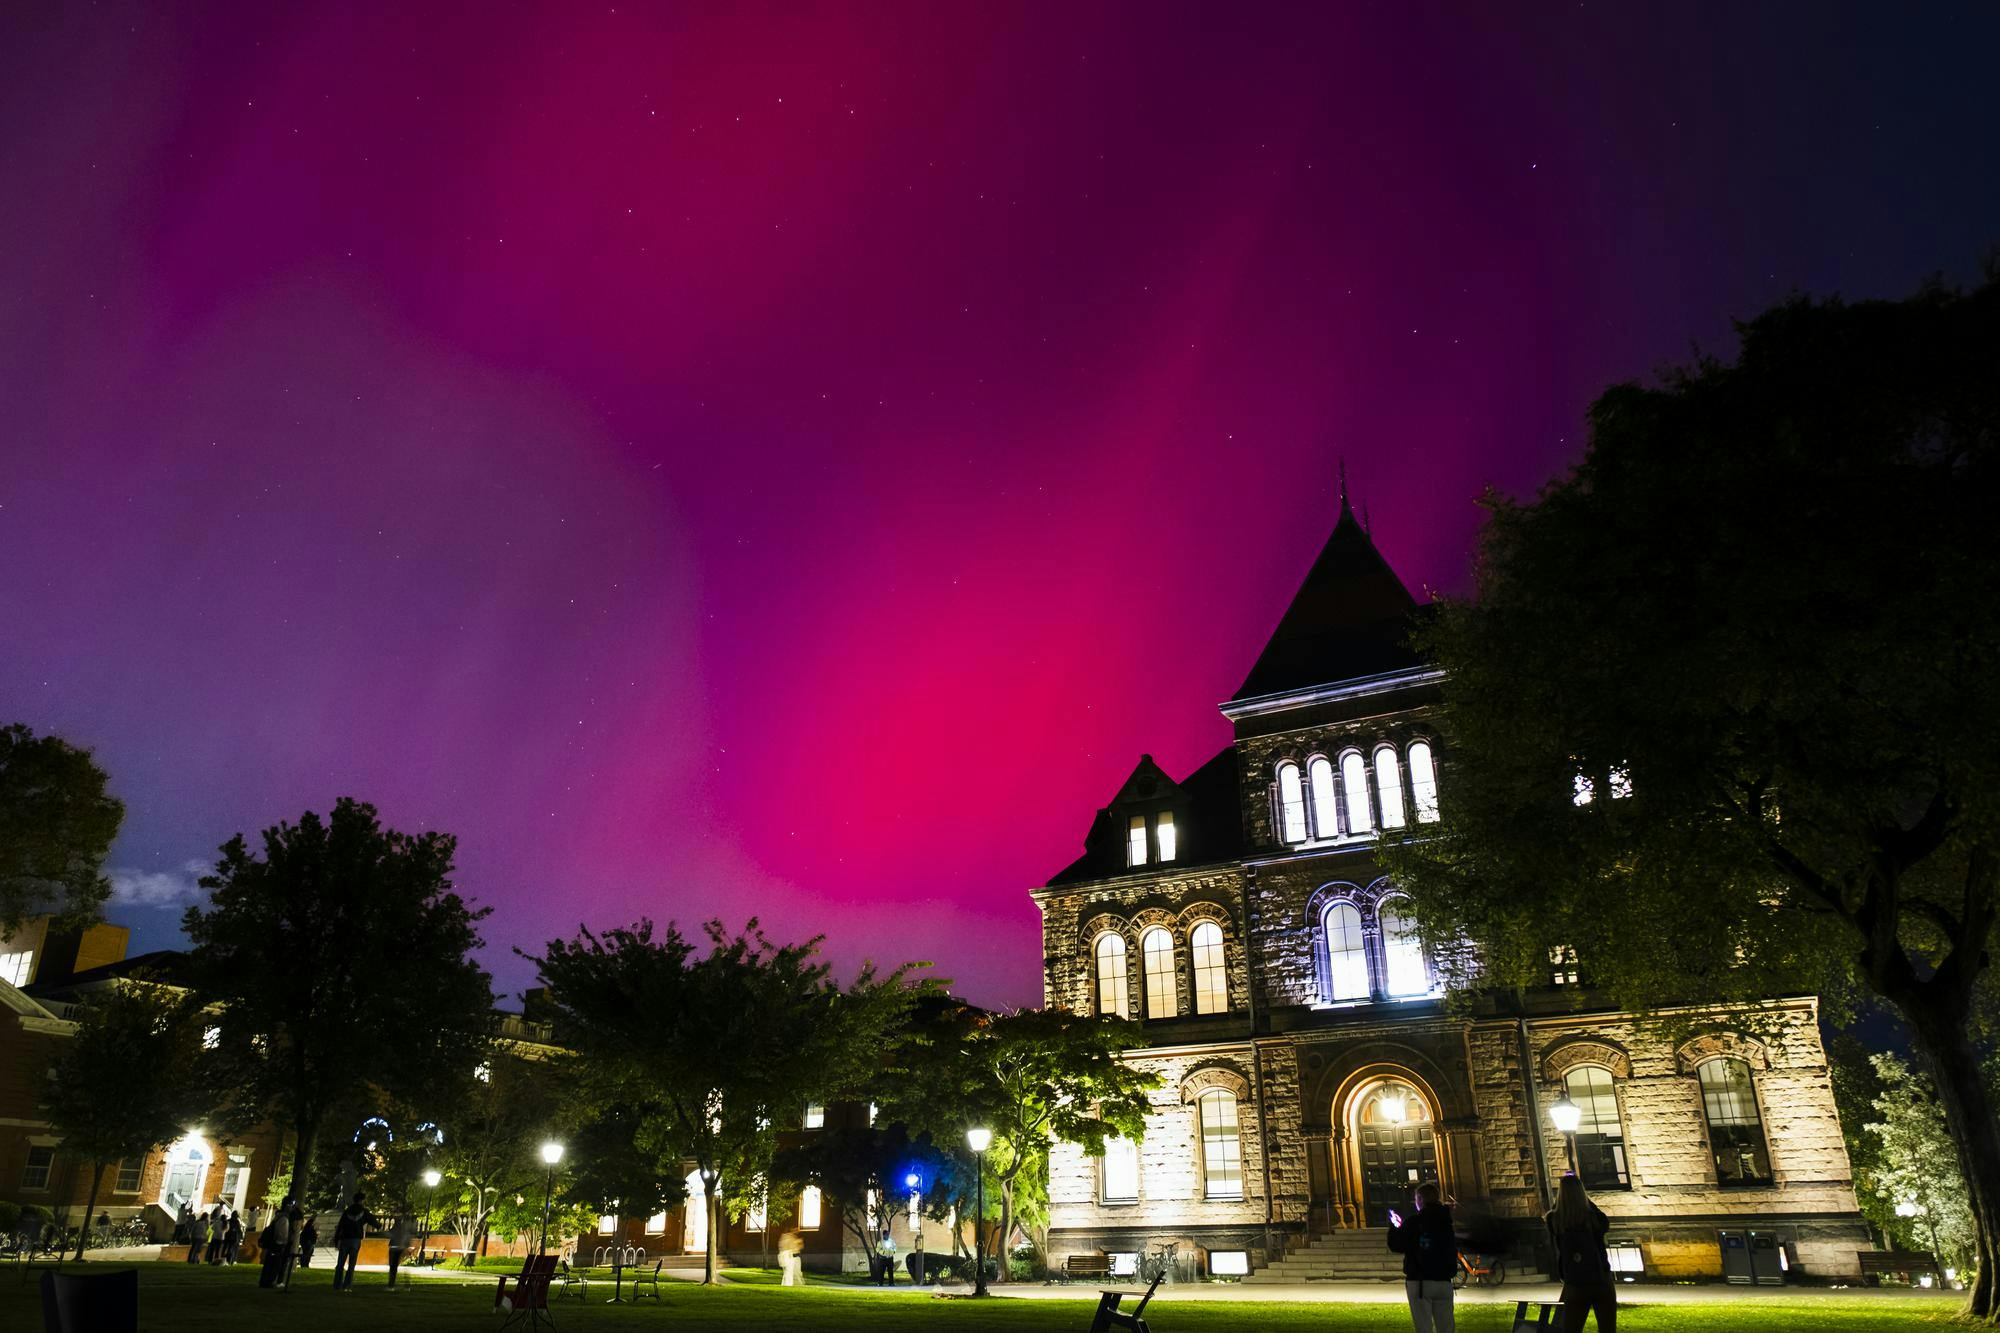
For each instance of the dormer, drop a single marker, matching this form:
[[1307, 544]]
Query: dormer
[[1154, 822]]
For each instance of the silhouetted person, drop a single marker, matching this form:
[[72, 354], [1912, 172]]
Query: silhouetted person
[[354, 1223], [1430, 1258], [308, 1242], [276, 1242], [1577, 1226], [218, 1227], [399, 1241], [197, 1238], [233, 1241]]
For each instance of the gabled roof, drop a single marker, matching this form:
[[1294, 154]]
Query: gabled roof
[[1351, 618], [1208, 823]]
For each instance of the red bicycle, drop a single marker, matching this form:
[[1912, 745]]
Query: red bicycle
[[1479, 1270]]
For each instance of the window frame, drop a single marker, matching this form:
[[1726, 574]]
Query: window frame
[[1596, 1142], [1746, 1132], [1324, 822], [1357, 824], [1425, 810], [1216, 972], [136, 1167], [1398, 904], [1104, 1194], [46, 1165], [1166, 996], [1122, 977], [1228, 1138], [1284, 809], [1387, 752], [1359, 951]]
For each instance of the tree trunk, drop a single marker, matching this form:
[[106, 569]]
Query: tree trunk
[[83, 1233], [1006, 1225], [306, 1134], [712, 1204], [1939, 1025]]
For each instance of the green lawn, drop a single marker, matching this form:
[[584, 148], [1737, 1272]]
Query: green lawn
[[174, 1298]]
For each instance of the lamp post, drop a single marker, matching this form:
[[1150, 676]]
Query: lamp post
[[979, 1140], [431, 1179], [551, 1154], [1566, 1115]]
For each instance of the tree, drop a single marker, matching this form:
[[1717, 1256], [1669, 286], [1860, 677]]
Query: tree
[[1721, 709], [709, 1050], [1917, 1166], [126, 1081], [337, 961], [56, 825], [852, 1164]]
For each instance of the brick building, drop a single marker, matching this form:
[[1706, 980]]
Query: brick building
[[1313, 1071]]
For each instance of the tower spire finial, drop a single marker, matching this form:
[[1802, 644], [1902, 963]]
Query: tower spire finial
[[1343, 481]]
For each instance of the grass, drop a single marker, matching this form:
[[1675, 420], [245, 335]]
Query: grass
[[177, 1299]]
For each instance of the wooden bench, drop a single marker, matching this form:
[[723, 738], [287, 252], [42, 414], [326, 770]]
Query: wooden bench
[[1904, 1263], [1087, 1265], [1545, 1314]]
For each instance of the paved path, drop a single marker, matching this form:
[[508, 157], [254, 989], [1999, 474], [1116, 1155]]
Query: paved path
[[1391, 1293]]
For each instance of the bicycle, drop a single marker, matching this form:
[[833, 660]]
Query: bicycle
[[1479, 1271]]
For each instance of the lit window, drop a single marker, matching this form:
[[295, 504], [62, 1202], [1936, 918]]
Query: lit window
[[872, 1108], [809, 1214], [1626, 1256], [1221, 1146], [1111, 997], [1600, 1137], [916, 1197], [1584, 792], [1735, 1128], [35, 1175], [1121, 1170], [815, 1115], [15, 967], [1124, 1263], [1354, 786], [1325, 798], [1404, 971], [1562, 965], [1620, 783], [1163, 833], [607, 1223], [1211, 975], [1389, 787], [1291, 804], [1423, 782], [129, 1172], [1347, 953], [754, 1219], [656, 1225], [1135, 841], [1229, 1263], [1157, 949], [694, 1215]]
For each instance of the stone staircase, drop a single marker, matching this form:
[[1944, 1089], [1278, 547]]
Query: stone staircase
[[1350, 1255]]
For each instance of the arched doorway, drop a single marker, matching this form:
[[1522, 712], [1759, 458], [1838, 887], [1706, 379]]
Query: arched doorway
[[181, 1185], [1395, 1146]]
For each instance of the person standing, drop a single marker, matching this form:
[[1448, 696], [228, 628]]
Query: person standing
[[308, 1242], [790, 1254], [218, 1228], [400, 1231], [275, 1240], [1577, 1227], [197, 1237], [885, 1254], [183, 1223], [354, 1223], [1430, 1257]]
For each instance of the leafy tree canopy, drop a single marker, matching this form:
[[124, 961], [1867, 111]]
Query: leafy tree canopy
[[56, 825]]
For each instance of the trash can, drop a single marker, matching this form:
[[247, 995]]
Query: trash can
[[1736, 1265]]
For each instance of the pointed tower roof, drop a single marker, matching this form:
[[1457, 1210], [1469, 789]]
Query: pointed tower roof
[[1351, 618]]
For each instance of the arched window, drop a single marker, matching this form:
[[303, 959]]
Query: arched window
[[1325, 798], [1291, 804], [1346, 953], [1221, 1146], [1211, 974], [1111, 974], [1354, 786], [1403, 969], [1735, 1128], [1423, 782], [1389, 787], [1600, 1136], [1156, 948]]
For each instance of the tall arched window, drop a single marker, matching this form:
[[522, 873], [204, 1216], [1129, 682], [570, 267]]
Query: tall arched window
[[1111, 974], [1354, 786], [1211, 974], [1389, 787], [1221, 1146], [1403, 969], [1346, 953], [1156, 947], [1291, 804], [1600, 1136], [1423, 782], [1325, 797], [1735, 1128]]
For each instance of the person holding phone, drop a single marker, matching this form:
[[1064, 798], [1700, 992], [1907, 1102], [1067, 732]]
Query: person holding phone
[[1430, 1255]]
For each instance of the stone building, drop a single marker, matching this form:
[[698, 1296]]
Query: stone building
[[1312, 1069]]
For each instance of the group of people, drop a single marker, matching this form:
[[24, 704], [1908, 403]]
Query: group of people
[[215, 1236], [1577, 1227], [292, 1236]]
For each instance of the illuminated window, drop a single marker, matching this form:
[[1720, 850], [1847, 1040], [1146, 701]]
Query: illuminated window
[[1562, 965], [656, 1225], [1211, 975], [1156, 947], [15, 967], [1354, 786], [1347, 953], [1620, 783], [872, 1108], [1135, 841], [1291, 804], [1735, 1128], [815, 1115], [1584, 790], [1229, 1263], [1111, 998], [759, 1212], [1221, 1146], [1423, 782], [694, 1215], [607, 1223], [1389, 787], [1163, 834], [809, 1214], [1120, 1170], [1325, 797], [129, 1172], [1403, 969], [35, 1175], [1600, 1137]]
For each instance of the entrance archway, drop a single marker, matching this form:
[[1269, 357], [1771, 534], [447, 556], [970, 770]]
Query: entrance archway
[[1395, 1146], [181, 1185]]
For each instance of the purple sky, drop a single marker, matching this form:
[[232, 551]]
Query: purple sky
[[792, 460]]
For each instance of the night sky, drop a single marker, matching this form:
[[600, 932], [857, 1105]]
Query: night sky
[[793, 460]]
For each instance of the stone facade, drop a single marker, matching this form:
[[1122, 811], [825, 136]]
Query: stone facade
[[1352, 1074]]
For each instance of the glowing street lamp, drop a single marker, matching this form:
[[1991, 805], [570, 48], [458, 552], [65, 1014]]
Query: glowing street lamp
[[979, 1140], [1566, 1115], [552, 1152], [431, 1179]]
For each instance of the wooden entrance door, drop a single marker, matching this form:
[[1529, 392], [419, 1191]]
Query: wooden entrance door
[[1395, 1159]]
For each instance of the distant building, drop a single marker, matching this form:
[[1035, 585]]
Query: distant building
[[1314, 1074]]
